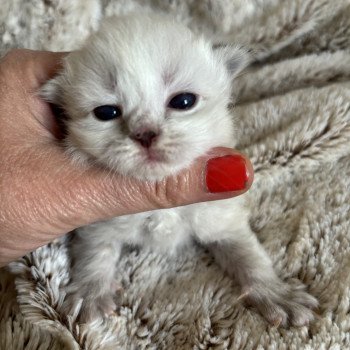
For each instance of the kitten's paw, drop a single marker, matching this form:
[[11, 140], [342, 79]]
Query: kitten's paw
[[282, 304], [92, 306]]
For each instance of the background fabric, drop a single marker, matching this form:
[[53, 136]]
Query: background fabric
[[293, 120]]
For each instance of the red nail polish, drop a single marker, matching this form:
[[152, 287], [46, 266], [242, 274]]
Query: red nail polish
[[226, 174]]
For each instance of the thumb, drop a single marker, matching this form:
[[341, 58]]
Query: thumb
[[96, 195]]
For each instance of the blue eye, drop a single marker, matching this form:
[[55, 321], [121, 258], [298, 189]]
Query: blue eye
[[184, 101], [107, 112]]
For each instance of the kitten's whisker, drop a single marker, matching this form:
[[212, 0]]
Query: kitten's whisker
[[171, 144], [94, 148]]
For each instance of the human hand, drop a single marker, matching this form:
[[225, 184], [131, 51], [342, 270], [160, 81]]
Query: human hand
[[44, 195]]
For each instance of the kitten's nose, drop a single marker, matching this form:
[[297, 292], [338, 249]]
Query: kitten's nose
[[145, 137]]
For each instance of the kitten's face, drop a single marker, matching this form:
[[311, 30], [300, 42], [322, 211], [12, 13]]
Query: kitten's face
[[145, 97]]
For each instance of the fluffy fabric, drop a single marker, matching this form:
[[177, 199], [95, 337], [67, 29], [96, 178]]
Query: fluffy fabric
[[293, 114]]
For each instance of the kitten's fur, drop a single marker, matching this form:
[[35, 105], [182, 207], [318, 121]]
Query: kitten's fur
[[139, 62]]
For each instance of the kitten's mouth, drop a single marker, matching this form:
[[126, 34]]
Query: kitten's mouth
[[154, 156]]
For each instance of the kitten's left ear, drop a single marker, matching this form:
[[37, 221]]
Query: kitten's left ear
[[235, 58]]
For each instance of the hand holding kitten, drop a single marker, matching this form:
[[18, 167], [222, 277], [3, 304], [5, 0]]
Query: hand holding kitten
[[43, 194], [146, 98]]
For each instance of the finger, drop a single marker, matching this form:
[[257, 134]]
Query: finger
[[34, 67], [70, 197], [221, 174], [45, 65], [23, 72]]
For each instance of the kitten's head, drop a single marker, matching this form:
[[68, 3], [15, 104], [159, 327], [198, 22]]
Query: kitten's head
[[145, 96]]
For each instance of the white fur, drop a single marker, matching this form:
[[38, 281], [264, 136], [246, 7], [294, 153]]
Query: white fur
[[139, 63]]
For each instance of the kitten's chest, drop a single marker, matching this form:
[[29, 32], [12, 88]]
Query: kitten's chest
[[166, 228], [171, 228]]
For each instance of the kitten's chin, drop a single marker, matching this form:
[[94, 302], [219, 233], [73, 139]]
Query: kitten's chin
[[153, 165], [153, 170], [150, 167]]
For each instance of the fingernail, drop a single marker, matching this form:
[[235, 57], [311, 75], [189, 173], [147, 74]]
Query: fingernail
[[226, 174]]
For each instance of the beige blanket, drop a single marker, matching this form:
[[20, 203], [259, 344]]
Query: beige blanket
[[293, 116]]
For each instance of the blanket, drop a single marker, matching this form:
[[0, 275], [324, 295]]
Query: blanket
[[292, 114]]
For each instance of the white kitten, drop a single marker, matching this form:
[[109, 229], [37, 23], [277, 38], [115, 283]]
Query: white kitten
[[145, 97]]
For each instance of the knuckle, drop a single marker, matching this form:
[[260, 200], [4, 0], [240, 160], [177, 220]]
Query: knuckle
[[15, 60], [15, 53], [9, 67], [11, 56], [172, 191]]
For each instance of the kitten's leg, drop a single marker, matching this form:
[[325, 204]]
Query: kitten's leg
[[279, 302], [94, 256]]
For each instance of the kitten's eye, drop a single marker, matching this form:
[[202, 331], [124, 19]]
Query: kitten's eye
[[185, 100], [107, 112]]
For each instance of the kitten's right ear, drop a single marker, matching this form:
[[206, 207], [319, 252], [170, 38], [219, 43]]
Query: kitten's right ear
[[51, 91], [235, 58]]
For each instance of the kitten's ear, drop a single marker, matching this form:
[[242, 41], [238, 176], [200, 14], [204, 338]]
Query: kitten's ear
[[235, 58], [51, 91]]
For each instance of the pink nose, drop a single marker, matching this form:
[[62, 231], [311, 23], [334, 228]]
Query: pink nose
[[145, 137]]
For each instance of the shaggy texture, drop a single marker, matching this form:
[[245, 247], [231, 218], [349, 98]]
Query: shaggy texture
[[293, 114]]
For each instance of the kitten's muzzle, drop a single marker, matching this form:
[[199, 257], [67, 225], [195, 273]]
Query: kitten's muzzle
[[145, 137]]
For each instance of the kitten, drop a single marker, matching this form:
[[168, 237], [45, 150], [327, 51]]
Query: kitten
[[145, 97]]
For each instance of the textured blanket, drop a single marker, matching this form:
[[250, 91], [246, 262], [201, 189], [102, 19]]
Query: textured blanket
[[293, 117]]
